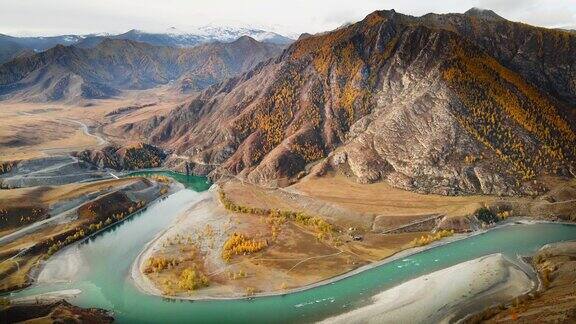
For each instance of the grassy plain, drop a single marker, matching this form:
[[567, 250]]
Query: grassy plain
[[32, 130]]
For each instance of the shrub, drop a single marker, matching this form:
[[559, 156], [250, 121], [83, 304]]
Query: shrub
[[241, 244], [486, 216], [192, 279], [157, 264], [4, 302], [504, 214], [429, 238], [250, 291]]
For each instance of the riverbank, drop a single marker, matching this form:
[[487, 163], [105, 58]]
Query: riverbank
[[294, 261], [67, 263], [208, 212], [445, 295], [193, 220], [23, 257]]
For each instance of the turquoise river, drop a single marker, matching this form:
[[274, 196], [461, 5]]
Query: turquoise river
[[109, 256]]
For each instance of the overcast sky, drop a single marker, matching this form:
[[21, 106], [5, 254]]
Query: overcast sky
[[292, 17]]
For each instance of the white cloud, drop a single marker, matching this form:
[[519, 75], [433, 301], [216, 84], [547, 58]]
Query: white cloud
[[506, 6], [537, 12], [290, 16]]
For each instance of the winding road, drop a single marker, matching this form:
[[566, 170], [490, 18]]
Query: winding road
[[85, 129]]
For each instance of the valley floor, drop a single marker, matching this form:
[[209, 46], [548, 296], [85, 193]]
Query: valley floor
[[35, 130], [240, 239], [293, 259]]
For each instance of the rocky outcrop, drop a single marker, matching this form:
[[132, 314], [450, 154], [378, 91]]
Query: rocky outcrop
[[130, 157], [54, 312], [426, 104]]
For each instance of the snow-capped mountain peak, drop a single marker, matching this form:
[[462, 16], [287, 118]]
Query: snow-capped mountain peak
[[213, 32]]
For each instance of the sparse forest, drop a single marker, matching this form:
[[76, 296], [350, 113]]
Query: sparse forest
[[500, 107], [322, 229]]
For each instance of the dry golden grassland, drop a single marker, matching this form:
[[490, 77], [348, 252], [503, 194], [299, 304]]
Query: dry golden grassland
[[383, 199], [32, 130]]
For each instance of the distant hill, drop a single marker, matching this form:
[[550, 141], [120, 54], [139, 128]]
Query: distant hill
[[447, 104], [71, 72], [12, 47], [10, 50], [39, 43]]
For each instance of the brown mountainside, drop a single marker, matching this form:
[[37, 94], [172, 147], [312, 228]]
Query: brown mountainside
[[459, 103]]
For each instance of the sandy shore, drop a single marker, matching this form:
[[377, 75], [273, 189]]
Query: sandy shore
[[63, 266], [193, 219], [554, 302], [53, 296], [445, 295]]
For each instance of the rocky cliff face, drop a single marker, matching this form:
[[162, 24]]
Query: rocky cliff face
[[71, 72], [447, 104]]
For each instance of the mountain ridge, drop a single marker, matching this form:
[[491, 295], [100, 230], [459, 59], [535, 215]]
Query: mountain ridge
[[422, 103], [12, 46]]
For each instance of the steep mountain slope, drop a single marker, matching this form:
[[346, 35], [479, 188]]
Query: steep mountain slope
[[71, 72], [215, 62], [544, 57], [412, 101]]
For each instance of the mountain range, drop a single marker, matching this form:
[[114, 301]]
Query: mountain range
[[175, 38], [12, 47], [443, 103], [102, 71]]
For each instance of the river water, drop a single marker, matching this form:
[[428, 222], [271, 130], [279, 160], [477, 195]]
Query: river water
[[105, 281]]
